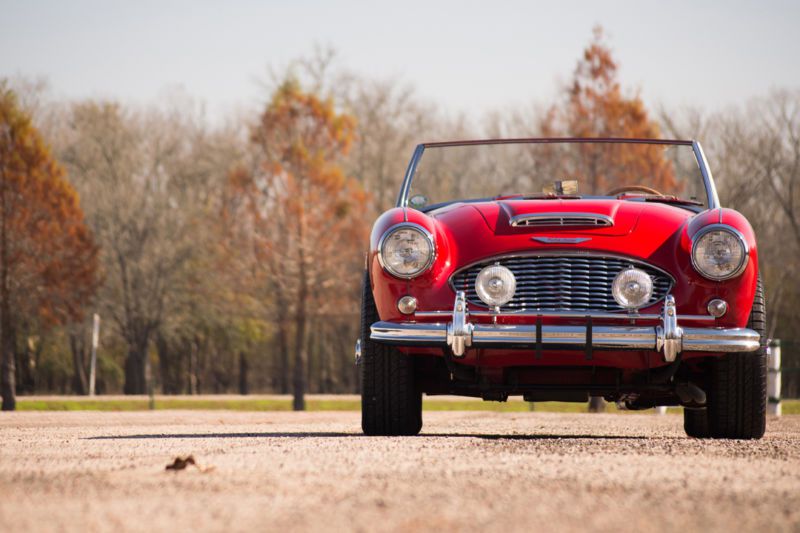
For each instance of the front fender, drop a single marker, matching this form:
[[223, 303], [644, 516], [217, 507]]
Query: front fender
[[739, 291], [386, 288]]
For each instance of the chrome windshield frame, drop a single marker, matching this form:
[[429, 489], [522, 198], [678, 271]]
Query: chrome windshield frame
[[702, 163]]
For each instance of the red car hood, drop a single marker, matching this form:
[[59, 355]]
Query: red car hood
[[484, 229], [624, 215]]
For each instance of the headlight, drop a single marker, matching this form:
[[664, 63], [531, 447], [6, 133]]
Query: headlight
[[406, 250], [632, 288], [719, 252], [495, 285]]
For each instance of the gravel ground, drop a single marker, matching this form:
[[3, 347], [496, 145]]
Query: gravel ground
[[470, 471]]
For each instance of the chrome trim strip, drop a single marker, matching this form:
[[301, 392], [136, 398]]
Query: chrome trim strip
[[408, 332], [570, 337], [641, 338], [708, 178], [402, 200], [558, 140], [562, 314], [736, 233], [604, 220], [668, 337], [724, 340], [427, 234]]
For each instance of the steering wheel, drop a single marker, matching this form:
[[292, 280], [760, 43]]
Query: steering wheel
[[633, 188]]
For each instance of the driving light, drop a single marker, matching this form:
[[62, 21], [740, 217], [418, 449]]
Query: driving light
[[406, 250], [719, 252], [495, 285], [632, 288], [717, 307], [407, 304]]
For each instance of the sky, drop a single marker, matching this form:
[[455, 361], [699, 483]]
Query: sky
[[469, 57]]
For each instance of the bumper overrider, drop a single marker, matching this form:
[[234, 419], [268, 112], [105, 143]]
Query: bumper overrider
[[668, 337]]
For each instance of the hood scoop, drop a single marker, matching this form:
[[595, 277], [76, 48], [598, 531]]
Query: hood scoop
[[572, 219]]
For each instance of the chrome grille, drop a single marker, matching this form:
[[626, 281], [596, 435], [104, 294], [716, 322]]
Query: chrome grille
[[562, 283]]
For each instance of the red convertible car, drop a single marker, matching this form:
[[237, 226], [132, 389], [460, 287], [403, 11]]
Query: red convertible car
[[559, 269]]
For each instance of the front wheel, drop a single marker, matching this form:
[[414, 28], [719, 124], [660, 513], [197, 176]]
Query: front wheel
[[695, 422], [737, 399], [391, 403]]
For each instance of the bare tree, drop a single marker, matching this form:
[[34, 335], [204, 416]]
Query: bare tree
[[139, 173], [300, 215]]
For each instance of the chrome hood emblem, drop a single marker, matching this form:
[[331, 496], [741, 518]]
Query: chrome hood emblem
[[561, 240]]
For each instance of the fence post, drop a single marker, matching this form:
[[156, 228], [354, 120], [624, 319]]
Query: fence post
[[774, 377], [93, 362]]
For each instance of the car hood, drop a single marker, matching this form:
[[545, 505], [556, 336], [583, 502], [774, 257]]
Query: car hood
[[635, 228], [601, 217]]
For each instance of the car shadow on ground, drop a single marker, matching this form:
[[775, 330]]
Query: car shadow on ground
[[328, 435]]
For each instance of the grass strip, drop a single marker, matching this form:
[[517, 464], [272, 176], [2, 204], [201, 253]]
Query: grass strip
[[790, 407]]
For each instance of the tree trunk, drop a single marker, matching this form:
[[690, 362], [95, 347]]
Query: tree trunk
[[170, 363], [194, 354], [135, 367], [244, 367], [299, 371], [8, 389], [300, 349], [311, 363], [79, 379], [26, 371], [8, 383], [283, 354]]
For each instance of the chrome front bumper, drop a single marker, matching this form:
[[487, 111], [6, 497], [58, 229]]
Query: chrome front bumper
[[668, 337]]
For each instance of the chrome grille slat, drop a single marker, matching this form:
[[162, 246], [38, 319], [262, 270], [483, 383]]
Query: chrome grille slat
[[563, 283]]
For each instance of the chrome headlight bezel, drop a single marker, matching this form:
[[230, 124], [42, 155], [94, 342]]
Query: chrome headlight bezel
[[737, 235], [427, 236]]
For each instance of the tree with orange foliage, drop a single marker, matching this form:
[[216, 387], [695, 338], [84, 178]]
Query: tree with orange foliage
[[47, 255], [595, 106], [303, 215]]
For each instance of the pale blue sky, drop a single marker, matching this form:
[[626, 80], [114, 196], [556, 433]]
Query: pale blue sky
[[467, 56]]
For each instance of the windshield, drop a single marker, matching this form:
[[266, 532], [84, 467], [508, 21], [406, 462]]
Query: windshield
[[665, 171]]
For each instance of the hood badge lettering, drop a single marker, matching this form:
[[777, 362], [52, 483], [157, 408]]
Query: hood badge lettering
[[561, 240]]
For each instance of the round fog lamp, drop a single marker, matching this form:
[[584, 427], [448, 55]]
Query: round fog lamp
[[407, 305], [495, 285], [632, 288], [717, 307]]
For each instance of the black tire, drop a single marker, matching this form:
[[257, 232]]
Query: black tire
[[391, 404], [695, 423], [737, 399]]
